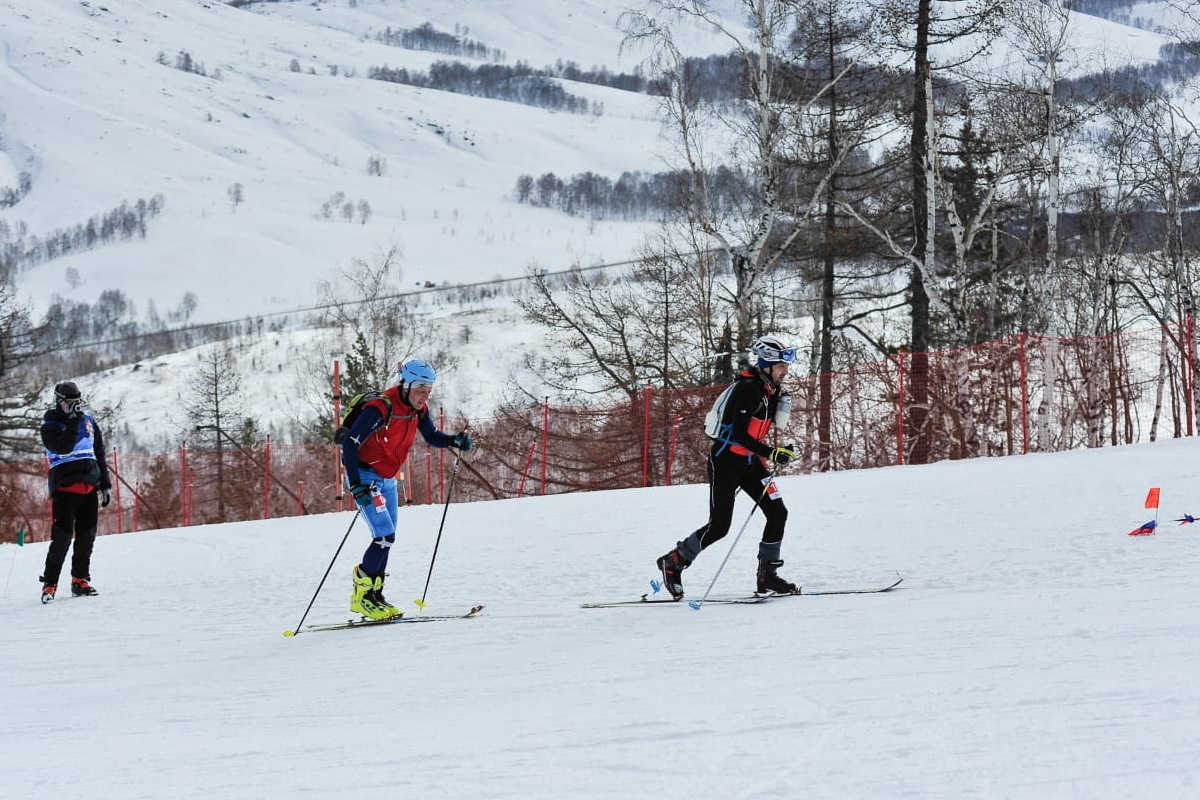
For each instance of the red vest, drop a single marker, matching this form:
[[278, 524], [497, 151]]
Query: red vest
[[756, 426], [386, 449]]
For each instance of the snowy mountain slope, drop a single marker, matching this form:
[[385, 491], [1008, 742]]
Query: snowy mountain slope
[[88, 112], [1034, 650], [95, 120]]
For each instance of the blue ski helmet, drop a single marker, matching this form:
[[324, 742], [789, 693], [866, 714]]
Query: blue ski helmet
[[416, 372]]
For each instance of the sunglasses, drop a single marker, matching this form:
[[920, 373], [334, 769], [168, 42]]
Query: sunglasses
[[421, 385]]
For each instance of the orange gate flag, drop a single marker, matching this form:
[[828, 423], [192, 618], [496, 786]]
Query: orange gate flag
[[1152, 498]]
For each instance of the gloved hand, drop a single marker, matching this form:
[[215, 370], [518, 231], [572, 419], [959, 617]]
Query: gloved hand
[[105, 498], [463, 442], [73, 408], [361, 492], [782, 455]]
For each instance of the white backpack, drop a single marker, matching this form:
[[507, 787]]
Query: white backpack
[[712, 420]]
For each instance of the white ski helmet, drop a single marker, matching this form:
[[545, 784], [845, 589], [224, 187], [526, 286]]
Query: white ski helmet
[[769, 350]]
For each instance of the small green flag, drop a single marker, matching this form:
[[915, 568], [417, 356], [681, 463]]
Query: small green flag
[[21, 538]]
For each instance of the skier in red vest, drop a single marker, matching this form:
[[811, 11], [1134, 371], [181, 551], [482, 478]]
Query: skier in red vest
[[373, 452]]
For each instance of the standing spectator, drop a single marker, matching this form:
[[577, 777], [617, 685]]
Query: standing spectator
[[737, 460], [373, 452], [79, 486]]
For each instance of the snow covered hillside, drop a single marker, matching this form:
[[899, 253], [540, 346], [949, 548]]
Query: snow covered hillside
[[285, 114], [95, 118], [1034, 650]]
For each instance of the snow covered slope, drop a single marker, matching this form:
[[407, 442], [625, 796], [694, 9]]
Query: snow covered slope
[[87, 110], [95, 119]]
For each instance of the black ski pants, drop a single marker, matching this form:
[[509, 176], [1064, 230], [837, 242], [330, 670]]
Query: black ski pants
[[75, 515], [727, 473]]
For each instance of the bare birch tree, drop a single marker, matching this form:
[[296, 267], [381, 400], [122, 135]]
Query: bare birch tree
[[747, 134], [381, 322]]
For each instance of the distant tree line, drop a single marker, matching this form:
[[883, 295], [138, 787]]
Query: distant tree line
[[11, 195], [18, 250], [426, 37], [1105, 9], [116, 335], [518, 84], [570, 71], [635, 195], [1177, 64]]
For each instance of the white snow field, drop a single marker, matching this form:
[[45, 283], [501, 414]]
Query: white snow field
[[1034, 650]]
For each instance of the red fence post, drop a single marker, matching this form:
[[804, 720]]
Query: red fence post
[[671, 452], [428, 476], [184, 511], [646, 439], [340, 505], [441, 458], [267, 481], [545, 439], [191, 494], [117, 491], [1024, 393], [1189, 359], [900, 410]]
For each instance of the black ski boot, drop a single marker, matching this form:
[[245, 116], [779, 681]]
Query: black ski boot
[[672, 566], [48, 589], [81, 588], [769, 581]]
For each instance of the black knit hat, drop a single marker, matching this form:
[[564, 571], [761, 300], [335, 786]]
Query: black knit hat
[[67, 390]]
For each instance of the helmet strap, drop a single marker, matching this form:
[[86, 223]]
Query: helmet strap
[[765, 375]]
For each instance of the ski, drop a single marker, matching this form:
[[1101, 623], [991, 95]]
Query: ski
[[647, 600], [750, 599], [818, 592], [367, 623]]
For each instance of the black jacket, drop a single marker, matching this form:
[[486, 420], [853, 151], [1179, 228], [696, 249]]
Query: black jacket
[[59, 435], [749, 413]]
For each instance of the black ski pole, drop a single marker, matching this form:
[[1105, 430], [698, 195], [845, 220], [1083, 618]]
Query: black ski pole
[[453, 474], [696, 604], [328, 569]]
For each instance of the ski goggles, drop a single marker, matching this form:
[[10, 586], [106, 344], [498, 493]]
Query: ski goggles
[[787, 355], [421, 385]]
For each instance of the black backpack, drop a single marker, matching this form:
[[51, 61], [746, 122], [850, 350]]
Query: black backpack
[[354, 409]]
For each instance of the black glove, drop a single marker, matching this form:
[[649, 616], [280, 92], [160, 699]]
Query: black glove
[[361, 492], [73, 408], [105, 498], [782, 455], [462, 442]]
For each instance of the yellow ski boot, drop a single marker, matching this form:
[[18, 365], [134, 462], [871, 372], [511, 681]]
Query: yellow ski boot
[[375, 598], [360, 599]]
